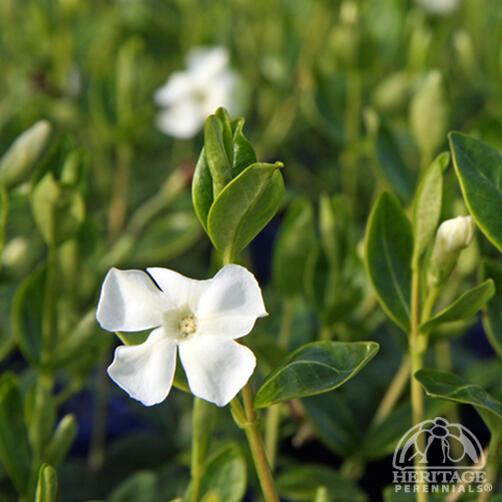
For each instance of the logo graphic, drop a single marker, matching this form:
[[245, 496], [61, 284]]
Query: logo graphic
[[437, 456], [454, 447]]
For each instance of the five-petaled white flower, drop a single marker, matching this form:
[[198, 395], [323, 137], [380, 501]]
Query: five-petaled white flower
[[199, 318], [190, 96]]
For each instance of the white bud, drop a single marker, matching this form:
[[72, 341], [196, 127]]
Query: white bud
[[455, 234], [452, 237]]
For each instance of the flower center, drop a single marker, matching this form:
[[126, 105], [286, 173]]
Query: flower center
[[187, 326]]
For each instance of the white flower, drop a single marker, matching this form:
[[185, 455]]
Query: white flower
[[190, 96], [439, 7], [199, 318], [455, 234]]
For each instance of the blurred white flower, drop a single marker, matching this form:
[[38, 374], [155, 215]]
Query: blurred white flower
[[440, 7], [190, 96], [201, 319], [455, 234]]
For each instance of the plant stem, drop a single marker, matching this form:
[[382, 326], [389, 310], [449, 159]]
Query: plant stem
[[416, 356], [273, 419], [394, 391], [493, 455], [201, 426], [257, 448]]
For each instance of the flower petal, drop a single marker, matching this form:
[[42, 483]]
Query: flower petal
[[216, 368], [205, 62], [183, 119], [145, 371], [226, 326], [178, 87], [221, 91], [130, 301], [234, 292], [183, 291]]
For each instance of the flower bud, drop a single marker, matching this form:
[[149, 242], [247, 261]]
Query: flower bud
[[21, 157], [452, 237]]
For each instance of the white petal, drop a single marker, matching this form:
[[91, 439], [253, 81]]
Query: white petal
[[183, 291], [177, 88], [182, 120], [234, 292], [130, 301], [225, 326], [216, 369], [206, 62], [145, 371], [221, 91]]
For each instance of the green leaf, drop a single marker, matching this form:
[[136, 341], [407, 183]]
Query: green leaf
[[244, 154], [391, 163], [4, 214], [479, 171], [47, 485], [315, 368], [142, 486], [493, 313], [18, 162], [14, 447], [27, 315], [301, 484], [202, 189], [464, 307], [62, 440], [443, 385], [427, 204], [244, 207], [58, 210], [218, 151], [293, 246], [389, 246], [226, 474]]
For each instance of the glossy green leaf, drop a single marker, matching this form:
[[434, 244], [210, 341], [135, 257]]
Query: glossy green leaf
[[244, 207], [293, 246], [493, 313], [464, 307], [26, 315], [61, 441], [443, 385], [142, 486], [202, 189], [218, 151], [226, 474], [479, 171], [58, 210], [427, 204], [47, 485], [315, 368], [301, 483], [14, 447], [244, 154], [389, 247]]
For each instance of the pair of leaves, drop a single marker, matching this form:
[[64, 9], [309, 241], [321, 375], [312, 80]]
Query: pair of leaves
[[443, 385], [315, 368], [234, 196], [479, 171]]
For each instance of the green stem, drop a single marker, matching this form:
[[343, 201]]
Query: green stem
[[494, 454], [394, 391], [200, 442], [257, 448], [273, 419], [416, 357], [247, 419]]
